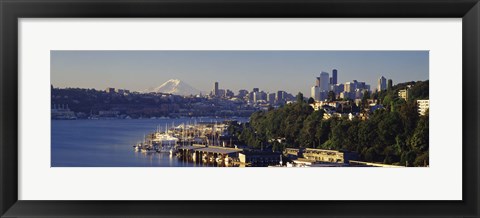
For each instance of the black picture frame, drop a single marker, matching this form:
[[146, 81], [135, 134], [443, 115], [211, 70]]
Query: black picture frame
[[12, 10]]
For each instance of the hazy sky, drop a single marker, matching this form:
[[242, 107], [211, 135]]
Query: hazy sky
[[291, 71]]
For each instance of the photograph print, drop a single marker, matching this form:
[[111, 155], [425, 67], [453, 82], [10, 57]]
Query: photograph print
[[236, 108]]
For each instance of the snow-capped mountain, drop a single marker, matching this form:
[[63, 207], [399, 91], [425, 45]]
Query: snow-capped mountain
[[176, 87]]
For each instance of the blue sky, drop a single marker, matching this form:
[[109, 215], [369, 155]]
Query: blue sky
[[291, 71]]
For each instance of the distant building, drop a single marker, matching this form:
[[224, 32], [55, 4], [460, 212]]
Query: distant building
[[62, 112], [281, 96], [315, 93], [229, 93], [382, 84], [221, 93], [271, 98], [423, 106], [215, 90], [349, 87], [242, 93], [389, 84], [338, 88], [334, 77], [324, 82], [317, 82], [110, 90], [256, 89], [259, 96]]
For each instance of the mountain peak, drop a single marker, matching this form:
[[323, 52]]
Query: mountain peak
[[176, 87]]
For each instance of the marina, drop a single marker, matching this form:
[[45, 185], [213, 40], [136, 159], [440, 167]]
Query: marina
[[108, 143]]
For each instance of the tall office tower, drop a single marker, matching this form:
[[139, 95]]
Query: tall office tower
[[382, 84], [324, 81], [317, 81], [334, 77], [271, 98], [389, 84], [315, 93], [215, 89], [280, 96]]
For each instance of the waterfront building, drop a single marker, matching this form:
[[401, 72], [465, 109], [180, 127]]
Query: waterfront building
[[260, 158], [382, 84], [293, 153], [423, 106], [62, 112], [330, 156]]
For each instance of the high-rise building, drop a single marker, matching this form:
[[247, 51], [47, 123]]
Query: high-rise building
[[382, 84], [317, 82], [389, 84], [281, 96], [215, 89], [315, 93], [324, 82], [334, 77], [271, 98], [256, 89]]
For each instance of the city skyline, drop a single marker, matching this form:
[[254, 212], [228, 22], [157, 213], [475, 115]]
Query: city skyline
[[270, 71]]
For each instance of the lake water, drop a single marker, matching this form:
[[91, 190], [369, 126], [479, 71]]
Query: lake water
[[108, 143]]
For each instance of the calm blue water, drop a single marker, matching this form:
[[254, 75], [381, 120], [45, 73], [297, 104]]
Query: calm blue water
[[108, 143]]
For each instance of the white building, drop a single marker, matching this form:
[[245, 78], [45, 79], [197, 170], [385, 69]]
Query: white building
[[423, 106], [315, 93]]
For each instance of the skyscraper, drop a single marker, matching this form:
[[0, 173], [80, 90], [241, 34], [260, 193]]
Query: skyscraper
[[389, 84], [334, 77], [280, 96], [215, 89], [324, 82], [317, 82], [315, 93], [382, 84]]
